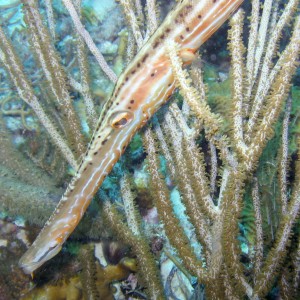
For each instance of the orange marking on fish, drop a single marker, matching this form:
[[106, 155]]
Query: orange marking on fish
[[187, 55], [140, 91]]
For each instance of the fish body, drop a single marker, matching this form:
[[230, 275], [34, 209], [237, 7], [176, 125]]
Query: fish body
[[145, 85]]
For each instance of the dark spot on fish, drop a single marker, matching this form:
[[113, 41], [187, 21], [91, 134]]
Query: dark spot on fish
[[145, 57], [187, 29], [131, 101], [95, 153], [104, 142]]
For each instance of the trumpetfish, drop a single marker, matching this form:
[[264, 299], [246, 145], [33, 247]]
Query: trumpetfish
[[141, 90]]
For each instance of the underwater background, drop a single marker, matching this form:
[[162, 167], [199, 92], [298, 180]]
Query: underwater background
[[248, 245]]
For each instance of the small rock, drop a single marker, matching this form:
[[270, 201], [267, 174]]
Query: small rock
[[3, 243]]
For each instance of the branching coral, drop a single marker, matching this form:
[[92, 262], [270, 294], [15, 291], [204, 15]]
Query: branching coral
[[241, 196]]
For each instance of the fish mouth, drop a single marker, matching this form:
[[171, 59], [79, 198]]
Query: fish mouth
[[33, 258], [28, 267]]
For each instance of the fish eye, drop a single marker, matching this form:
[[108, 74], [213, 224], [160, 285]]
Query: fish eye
[[121, 119]]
